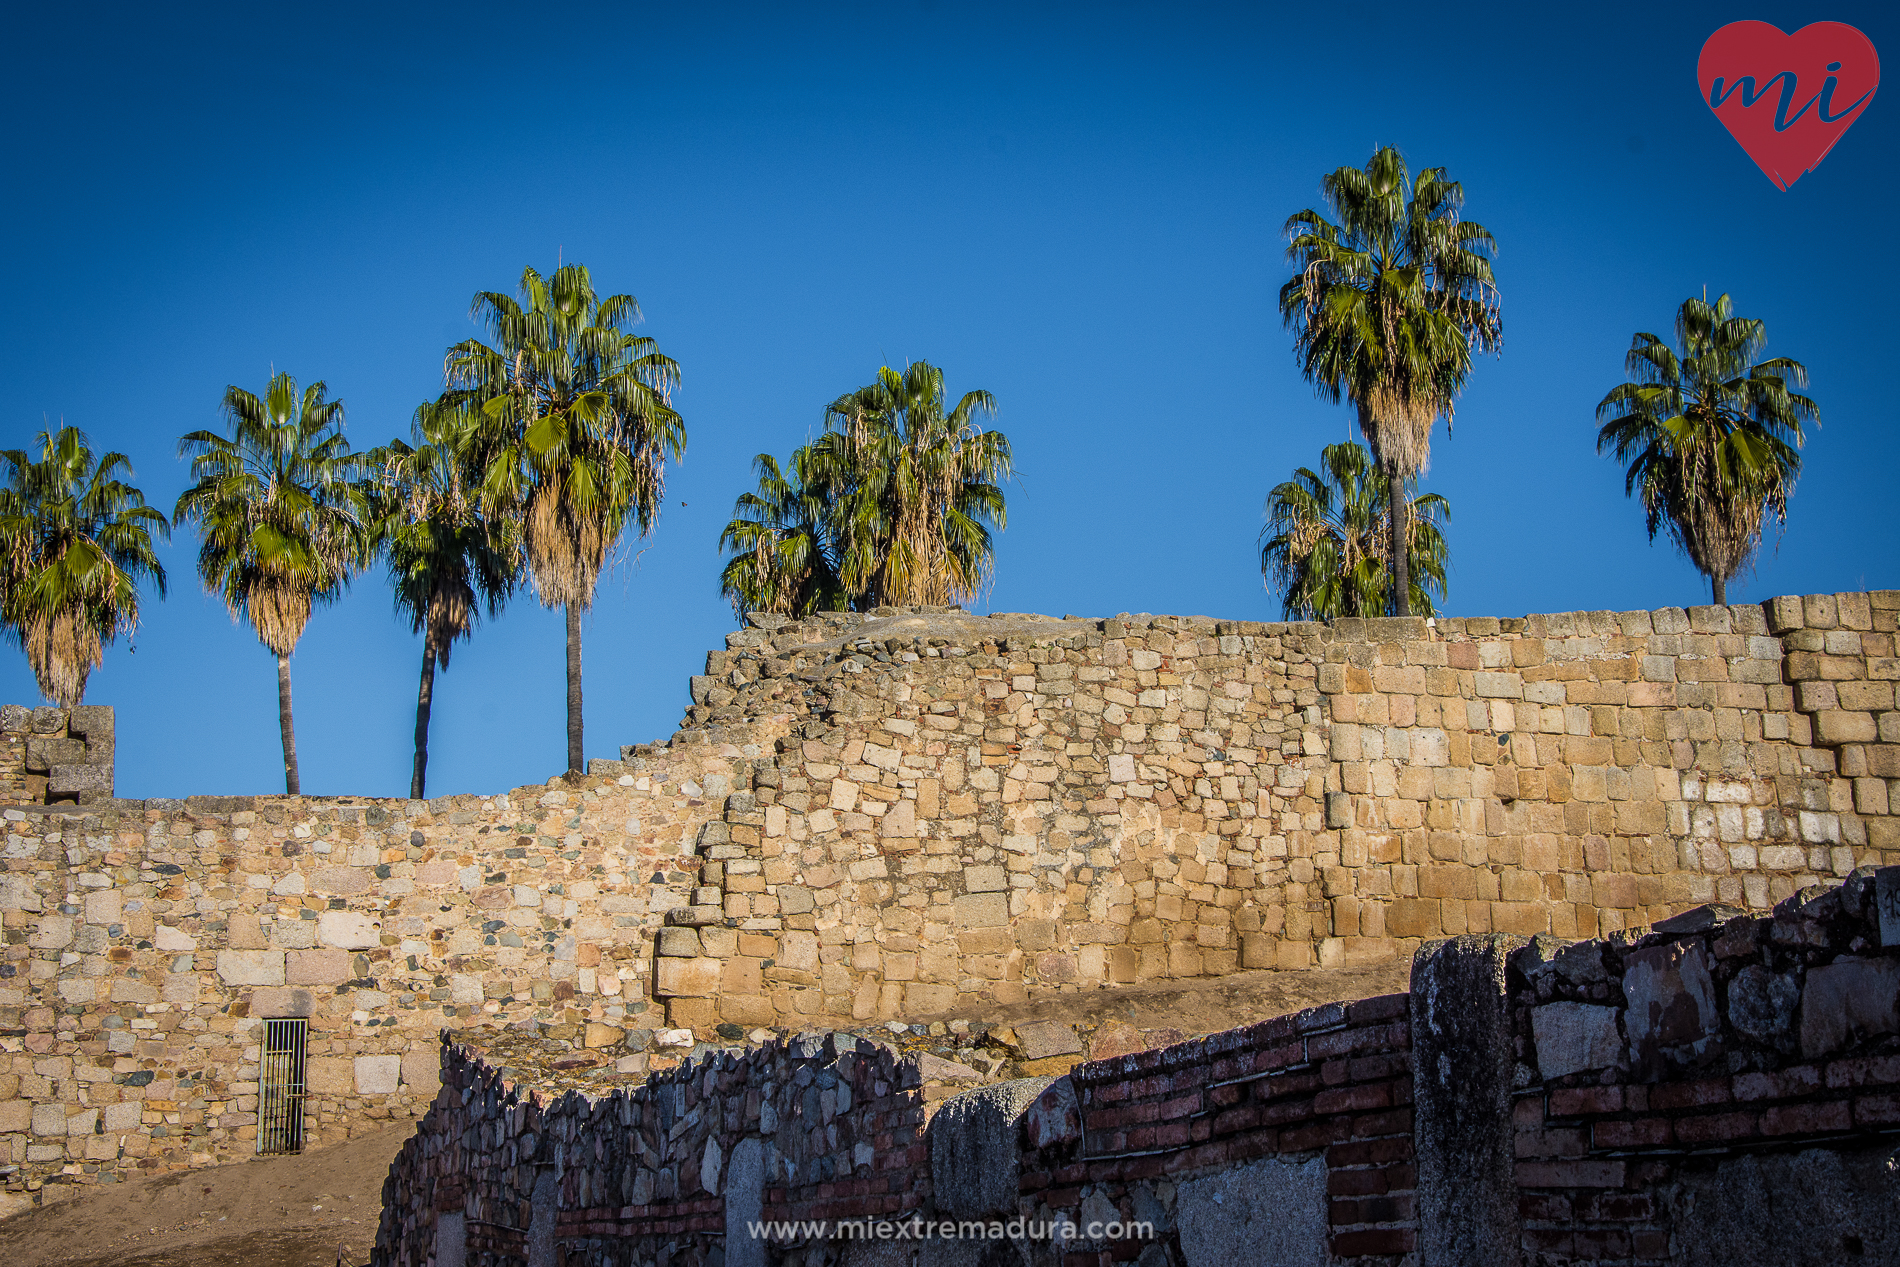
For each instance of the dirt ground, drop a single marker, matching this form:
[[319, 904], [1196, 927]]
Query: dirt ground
[[270, 1212], [299, 1211]]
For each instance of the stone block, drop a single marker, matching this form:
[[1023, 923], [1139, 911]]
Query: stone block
[[1463, 1059], [1574, 1037], [51, 932], [422, 1068], [282, 1002], [251, 967], [985, 879], [598, 1035], [1835, 726], [377, 1075], [341, 881], [173, 940], [1269, 1210], [123, 1116], [1672, 1019], [981, 910], [1846, 1000], [973, 1141], [678, 943], [349, 930], [686, 978], [49, 1120], [317, 967], [330, 1075], [1039, 1039]]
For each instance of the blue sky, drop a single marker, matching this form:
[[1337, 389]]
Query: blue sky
[[1075, 207]]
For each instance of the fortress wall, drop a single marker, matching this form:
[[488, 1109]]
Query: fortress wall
[[978, 819], [912, 813], [145, 942]]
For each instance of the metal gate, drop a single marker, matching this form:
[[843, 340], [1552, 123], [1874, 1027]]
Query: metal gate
[[281, 1087]]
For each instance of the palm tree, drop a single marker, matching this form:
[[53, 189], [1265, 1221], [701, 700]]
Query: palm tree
[[576, 426], [784, 542], [1325, 546], [282, 520], [445, 556], [1387, 306], [75, 542], [1710, 435], [918, 487]]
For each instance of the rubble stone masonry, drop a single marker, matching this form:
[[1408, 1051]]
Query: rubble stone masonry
[[915, 813]]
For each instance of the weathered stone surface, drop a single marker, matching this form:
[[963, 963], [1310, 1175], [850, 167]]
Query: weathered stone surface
[[281, 1002], [1055, 1116], [1573, 1037], [687, 978], [377, 1075], [1462, 1063], [1816, 1208], [974, 1148], [317, 967], [1672, 1019], [1040, 1039], [1847, 1000], [1273, 1210], [349, 930], [251, 967], [745, 1202], [1761, 1004]]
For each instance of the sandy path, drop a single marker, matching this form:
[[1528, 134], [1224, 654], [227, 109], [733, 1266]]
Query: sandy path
[[270, 1212]]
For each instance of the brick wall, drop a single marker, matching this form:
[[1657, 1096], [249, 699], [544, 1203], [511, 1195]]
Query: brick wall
[[1333, 1083], [1722, 1088]]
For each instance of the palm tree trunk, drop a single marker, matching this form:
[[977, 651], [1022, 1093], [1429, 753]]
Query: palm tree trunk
[[575, 760], [292, 784], [425, 699], [1720, 585], [1401, 559]]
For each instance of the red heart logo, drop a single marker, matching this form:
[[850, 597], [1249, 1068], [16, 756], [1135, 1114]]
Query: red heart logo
[[1787, 98]]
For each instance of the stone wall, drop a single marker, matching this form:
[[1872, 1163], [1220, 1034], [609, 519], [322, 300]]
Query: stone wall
[[914, 814], [1723, 1089], [146, 941], [55, 756], [980, 819]]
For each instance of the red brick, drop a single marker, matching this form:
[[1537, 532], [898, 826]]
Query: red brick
[[1373, 1125], [1354, 1099], [1356, 1183], [1298, 1139], [1384, 1007], [1600, 1243], [1689, 1095], [1241, 1119], [1619, 1207], [1640, 1132], [1805, 1119], [1571, 1174], [1349, 1211], [1375, 1240], [1577, 1101], [1369, 1152], [1557, 1141], [1877, 1110], [1791, 1082], [1714, 1128], [1864, 1071], [1544, 1207]]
